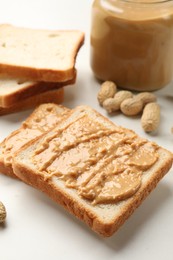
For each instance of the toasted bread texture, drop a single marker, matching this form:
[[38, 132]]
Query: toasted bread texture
[[41, 120], [15, 90], [72, 153], [52, 96], [39, 55]]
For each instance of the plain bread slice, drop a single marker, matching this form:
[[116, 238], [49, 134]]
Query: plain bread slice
[[14, 90], [37, 54]]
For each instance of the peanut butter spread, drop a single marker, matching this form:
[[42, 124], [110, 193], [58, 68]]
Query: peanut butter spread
[[43, 120], [102, 164], [132, 42]]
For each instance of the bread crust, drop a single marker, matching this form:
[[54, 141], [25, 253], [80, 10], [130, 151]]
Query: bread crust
[[33, 89], [52, 96], [35, 74]]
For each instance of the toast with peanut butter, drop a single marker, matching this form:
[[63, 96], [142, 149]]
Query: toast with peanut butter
[[98, 171], [41, 120]]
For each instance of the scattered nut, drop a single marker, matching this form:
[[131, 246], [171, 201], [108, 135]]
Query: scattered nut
[[2, 213], [120, 96], [131, 106], [111, 105], [107, 90], [146, 97], [151, 117]]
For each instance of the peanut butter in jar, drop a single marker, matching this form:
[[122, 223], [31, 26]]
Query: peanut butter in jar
[[132, 43]]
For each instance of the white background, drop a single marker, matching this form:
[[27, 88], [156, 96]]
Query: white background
[[36, 227]]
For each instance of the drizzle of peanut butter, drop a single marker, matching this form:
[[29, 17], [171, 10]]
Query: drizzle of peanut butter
[[103, 165], [40, 122]]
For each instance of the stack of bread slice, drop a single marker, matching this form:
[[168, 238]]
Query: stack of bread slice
[[96, 170], [35, 65]]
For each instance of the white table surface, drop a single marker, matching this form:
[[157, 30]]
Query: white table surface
[[38, 228]]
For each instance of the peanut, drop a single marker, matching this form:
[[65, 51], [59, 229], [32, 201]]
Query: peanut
[[151, 117], [2, 213], [121, 95], [146, 97], [111, 105], [131, 106], [107, 90]]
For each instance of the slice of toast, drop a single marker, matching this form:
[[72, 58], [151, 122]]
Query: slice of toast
[[13, 90], [98, 171], [41, 120], [52, 96], [39, 55]]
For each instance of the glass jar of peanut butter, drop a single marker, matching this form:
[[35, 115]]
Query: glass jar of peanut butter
[[132, 42]]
